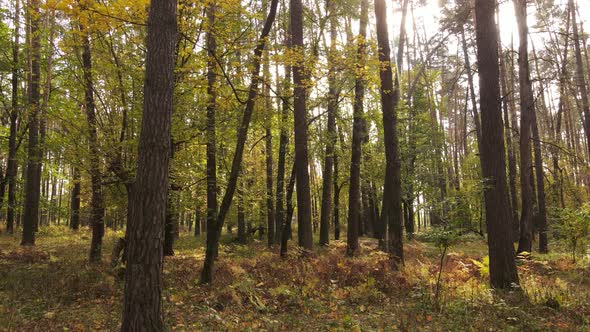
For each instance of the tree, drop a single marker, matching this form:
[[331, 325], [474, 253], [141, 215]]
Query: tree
[[391, 212], [327, 183], [33, 183], [581, 83], [526, 118], [97, 200], [12, 167], [142, 300], [300, 111], [214, 229], [354, 203], [502, 266]]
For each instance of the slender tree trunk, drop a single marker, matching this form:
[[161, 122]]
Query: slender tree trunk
[[97, 201], [327, 183], [142, 300], [270, 207], [391, 213], [300, 111], [12, 167], [214, 229], [211, 135], [580, 74], [33, 182], [283, 142], [75, 200], [354, 203], [526, 118], [242, 235], [289, 213], [502, 266], [509, 145]]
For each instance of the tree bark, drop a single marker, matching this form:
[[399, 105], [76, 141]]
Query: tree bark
[[142, 300], [97, 201], [526, 118], [75, 200], [33, 182], [391, 213], [12, 167], [502, 266], [354, 203], [300, 111], [580, 74], [327, 183]]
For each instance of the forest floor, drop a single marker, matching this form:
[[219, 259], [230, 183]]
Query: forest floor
[[52, 287]]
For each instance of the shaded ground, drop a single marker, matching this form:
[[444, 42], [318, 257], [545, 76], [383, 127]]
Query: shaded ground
[[52, 288]]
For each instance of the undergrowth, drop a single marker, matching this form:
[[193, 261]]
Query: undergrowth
[[52, 287]]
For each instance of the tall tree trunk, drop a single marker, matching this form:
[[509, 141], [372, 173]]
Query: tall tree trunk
[[581, 83], [327, 183], [97, 201], [270, 208], [354, 203], [506, 105], [12, 167], [526, 118], [502, 266], [283, 142], [300, 111], [391, 213], [33, 182], [242, 235], [289, 213], [474, 111], [214, 229], [142, 300], [75, 200], [211, 135]]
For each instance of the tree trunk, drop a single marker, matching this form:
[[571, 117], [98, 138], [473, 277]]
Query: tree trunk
[[327, 183], [214, 229], [354, 203], [580, 74], [509, 145], [142, 301], [96, 202], [526, 110], [283, 142], [270, 207], [289, 213], [300, 111], [502, 266], [12, 167], [212, 208], [391, 213], [33, 182], [75, 200]]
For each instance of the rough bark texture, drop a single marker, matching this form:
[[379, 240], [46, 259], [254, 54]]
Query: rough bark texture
[[96, 201], [142, 301], [12, 167], [354, 203], [502, 266], [300, 111], [580, 74], [391, 213], [211, 139], [326, 207], [33, 175], [75, 200], [526, 110]]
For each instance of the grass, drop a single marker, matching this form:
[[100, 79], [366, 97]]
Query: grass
[[51, 287]]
